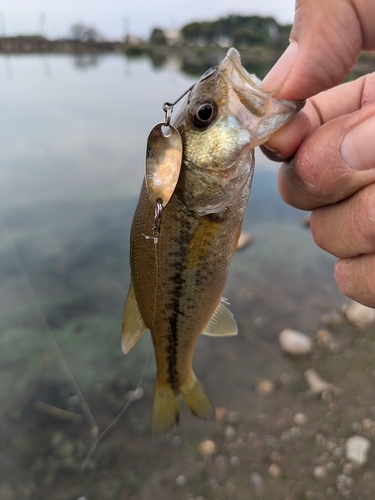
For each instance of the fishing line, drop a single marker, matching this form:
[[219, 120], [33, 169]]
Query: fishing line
[[64, 365], [114, 422], [157, 279]]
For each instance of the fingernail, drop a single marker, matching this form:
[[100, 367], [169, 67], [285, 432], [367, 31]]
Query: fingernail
[[358, 146], [275, 79], [271, 150], [271, 153]]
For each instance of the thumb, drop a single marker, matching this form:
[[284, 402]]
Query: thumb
[[324, 43]]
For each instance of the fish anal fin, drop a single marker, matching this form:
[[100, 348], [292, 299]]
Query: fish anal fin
[[195, 397], [133, 325], [166, 410], [221, 323]]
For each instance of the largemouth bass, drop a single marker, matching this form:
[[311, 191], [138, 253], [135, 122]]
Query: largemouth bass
[[177, 281]]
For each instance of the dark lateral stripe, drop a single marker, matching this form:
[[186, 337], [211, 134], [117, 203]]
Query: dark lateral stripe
[[177, 256], [174, 310]]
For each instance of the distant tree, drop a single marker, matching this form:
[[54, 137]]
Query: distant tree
[[246, 35], [84, 33], [157, 37], [239, 29]]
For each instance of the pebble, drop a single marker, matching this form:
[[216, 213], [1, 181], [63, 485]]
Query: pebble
[[181, 480], [358, 314], [318, 386], [137, 394], [305, 221], [244, 240], [207, 448], [274, 471], [333, 318], [234, 461], [325, 339], [357, 449], [320, 472], [73, 400], [230, 432], [220, 413], [232, 417], [343, 483], [256, 479], [295, 343], [265, 387], [292, 434], [259, 322], [300, 418], [176, 441]]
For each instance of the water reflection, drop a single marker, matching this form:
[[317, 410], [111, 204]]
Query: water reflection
[[69, 186], [85, 61]]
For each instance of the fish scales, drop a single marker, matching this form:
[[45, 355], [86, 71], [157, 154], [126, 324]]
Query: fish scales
[[189, 282], [178, 278]]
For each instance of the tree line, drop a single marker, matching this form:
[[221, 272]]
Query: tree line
[[234, 29]]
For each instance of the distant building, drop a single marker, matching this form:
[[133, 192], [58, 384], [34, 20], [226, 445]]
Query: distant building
[[172, 36], [133, 40]]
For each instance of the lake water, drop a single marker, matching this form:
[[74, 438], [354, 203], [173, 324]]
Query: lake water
[[73, 133]]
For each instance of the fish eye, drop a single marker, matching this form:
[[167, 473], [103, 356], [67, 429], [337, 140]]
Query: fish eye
[[204, 113]]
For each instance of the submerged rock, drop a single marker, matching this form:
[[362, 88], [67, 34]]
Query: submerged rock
[[305, 221], [220, 413], [358, 314], [244, 240], [317, 385], [256, 480], [181, 480], [357, 449], [295, 343], [333, 318], [137, 394], [300, 419], [265, 387], [274, 471], [207, 448], [320, 472]]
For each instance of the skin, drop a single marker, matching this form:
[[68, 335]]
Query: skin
[[330, 144]]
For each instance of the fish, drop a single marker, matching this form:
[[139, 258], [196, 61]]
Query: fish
[[178, 278]]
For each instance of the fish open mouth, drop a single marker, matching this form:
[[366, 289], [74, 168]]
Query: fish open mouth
[[266, 113]]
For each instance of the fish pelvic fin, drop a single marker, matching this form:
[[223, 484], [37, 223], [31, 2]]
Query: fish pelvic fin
[[166, 410], [195, 397], [133, 325], [222, 322]]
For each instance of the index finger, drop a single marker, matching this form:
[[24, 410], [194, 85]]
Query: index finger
[[318, 110], [336, 158]]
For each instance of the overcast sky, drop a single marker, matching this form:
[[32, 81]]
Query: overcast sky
[[113, 17]]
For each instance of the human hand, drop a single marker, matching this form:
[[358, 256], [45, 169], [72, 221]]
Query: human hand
[[332, 139]]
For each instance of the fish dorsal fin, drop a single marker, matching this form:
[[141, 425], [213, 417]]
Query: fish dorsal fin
[[222, 322], [133, 325]]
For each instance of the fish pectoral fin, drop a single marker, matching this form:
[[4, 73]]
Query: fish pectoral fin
[[222, 322], [133, 325]]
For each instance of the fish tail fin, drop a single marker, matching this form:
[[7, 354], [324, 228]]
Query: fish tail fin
[[166, 410], [196, 399]]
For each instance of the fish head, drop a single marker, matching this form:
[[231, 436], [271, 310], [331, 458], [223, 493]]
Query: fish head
[[226, 115]]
